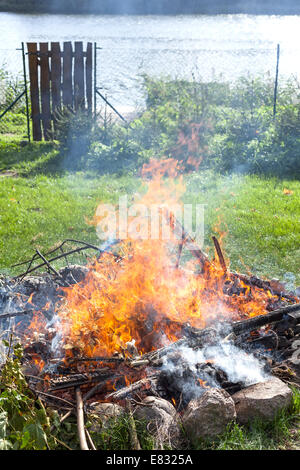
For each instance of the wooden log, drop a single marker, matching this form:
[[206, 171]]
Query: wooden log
[[75, 380], [67, 75], [34, 90], [46, 314], [79, 101], [261, 284], [261, 320], [15, 314], [133, 388], [88, 77], [55, 80], [45, 90]]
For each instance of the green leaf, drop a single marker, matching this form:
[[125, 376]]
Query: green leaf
[[37, 435], [25, 440]]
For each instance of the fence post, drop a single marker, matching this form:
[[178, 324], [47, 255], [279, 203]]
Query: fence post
[[276, 80], [55, 81], [95, 80], [78, 77], [45, 89], [34, 90], [88, 76], [26, 92], [67, 75]]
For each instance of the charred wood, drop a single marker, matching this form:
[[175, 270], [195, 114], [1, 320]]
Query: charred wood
[[146, 383], [220, 254], [198, 338], [261, 320], [261, 284], [75, 380]]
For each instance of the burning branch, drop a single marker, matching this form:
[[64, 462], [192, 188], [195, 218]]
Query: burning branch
[[220, 254], [187, 240]]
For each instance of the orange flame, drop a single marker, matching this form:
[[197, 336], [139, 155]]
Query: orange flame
[[203, 383], [144, 296]]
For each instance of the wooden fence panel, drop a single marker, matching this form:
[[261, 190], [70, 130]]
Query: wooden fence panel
[[88, 76], [55, 79], [67, 75], [58, 79], [78, 77], [34, 90], [45, 90]]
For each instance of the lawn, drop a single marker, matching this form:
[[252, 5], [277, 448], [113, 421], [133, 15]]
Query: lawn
[[38, 209]]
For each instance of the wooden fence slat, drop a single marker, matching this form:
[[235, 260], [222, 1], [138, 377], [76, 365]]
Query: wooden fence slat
[[67, 75], [55, 79], [45, 89], [78, 76], [34, 90], [88, 76]]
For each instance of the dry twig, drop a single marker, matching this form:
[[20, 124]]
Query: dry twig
[[80, 420], [134, 442]]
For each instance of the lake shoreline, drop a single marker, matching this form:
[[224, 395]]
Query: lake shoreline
[[154, 7]]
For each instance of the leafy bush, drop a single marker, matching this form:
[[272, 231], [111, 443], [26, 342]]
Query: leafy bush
[[10, 87], [221, 126], [236, 130], [24, 423]]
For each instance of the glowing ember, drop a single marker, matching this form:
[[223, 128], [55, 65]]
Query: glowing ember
[[203, 383]]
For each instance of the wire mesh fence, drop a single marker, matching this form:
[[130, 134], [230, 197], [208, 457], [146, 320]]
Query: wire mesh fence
[[13, 113]]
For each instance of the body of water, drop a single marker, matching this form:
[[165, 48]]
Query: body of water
[[218, 46]]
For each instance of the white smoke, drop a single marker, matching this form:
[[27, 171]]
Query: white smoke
[[239, 366]]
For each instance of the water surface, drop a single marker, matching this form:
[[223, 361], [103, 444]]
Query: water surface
[[220, 46]]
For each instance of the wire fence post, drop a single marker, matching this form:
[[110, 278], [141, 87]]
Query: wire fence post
[[95, 81], [97, 90], [276, 80], [26, 92]]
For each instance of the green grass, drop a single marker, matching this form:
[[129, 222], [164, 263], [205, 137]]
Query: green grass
[[28, 158], [40, 208], [262, 222], [13, 126], [281, 433], [40, 211]]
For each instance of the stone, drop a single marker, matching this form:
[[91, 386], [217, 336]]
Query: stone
[[208, 416], [107, 414], [262, 400], [161, 418]]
